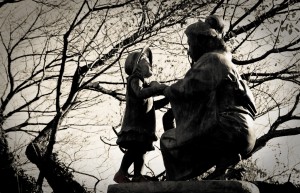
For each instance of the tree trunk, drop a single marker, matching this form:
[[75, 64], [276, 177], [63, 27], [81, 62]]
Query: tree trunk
[[56, 173], [13, 179]]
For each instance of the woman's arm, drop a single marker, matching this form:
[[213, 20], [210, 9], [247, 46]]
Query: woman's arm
[[161, 103], [199, 81]]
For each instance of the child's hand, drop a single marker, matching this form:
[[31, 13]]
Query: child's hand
[[154, 83], [161, 87]]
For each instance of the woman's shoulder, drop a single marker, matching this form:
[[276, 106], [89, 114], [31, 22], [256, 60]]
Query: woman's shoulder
[[215, 59], [217, 55], [217, 62]]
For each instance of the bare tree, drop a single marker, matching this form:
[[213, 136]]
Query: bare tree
[[62, 68]]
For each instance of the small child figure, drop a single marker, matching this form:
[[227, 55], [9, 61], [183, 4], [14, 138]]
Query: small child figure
[[138, 129]]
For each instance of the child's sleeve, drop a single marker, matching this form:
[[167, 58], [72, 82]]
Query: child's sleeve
[[145, 92]]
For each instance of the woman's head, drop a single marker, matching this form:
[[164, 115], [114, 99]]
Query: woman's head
[[140, 62], [205, 36]]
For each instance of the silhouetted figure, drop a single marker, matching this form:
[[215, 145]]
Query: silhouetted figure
[[138, 129]]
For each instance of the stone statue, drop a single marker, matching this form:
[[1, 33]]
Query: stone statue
[[212, 106]]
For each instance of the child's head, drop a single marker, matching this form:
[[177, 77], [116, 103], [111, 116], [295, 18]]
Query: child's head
[[144, 67]]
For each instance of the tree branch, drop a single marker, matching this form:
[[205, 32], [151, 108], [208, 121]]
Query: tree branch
[[259, 20], [95, 86], [262, 141], [103, 7], [9, 1], [271, 51]]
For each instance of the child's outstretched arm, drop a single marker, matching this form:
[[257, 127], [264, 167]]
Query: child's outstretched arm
[[145, 92]]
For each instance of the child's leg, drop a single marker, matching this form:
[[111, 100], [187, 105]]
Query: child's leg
[[138, 165], [128, 159], [168, 120]]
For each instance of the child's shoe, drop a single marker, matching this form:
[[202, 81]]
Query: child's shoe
[[139, 179], [121, 178]]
